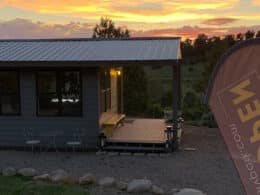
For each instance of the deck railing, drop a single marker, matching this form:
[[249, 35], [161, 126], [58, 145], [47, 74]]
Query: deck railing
[[105, 100]]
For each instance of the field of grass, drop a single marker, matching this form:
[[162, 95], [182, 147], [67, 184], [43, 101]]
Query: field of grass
[[160, 89], [159, 82], [190, 74], [160, 79], [22, 186]]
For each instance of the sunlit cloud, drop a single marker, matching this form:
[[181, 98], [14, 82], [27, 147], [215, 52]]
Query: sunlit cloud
[[192, 31], [26, 29], [204, 4], [256, 2], [148, 17], [152, 11], [219, 21]]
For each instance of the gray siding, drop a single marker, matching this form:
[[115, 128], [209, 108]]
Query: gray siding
[[12, 129]]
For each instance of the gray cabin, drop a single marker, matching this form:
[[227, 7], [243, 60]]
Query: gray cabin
[[55, 90]]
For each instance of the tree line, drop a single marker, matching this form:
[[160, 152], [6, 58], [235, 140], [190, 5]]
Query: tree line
[[208, 50], [205, 51]]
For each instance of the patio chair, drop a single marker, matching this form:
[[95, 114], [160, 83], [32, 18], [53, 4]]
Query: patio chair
[[76, 140], [50, 139], [31, 140]]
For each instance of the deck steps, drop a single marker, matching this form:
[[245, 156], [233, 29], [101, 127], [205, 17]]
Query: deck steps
[[134, 147]]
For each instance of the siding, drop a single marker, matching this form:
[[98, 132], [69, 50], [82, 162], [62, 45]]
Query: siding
[[12, 129]]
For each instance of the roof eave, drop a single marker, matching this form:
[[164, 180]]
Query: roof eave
[[87, 63]]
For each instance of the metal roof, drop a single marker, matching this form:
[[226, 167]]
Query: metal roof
[[90, 50]]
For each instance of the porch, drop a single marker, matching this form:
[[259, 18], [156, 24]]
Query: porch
[[137, 134], [139, 130]]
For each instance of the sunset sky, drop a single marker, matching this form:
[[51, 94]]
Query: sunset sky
[[76, 18]]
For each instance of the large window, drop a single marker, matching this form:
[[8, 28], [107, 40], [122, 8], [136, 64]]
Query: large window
[[59, 93], [105, 93], [9, 93]]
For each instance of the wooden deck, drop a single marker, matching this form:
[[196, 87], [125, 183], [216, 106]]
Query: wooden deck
[[140, 131]]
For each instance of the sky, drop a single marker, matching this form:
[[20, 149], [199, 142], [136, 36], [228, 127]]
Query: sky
[[77, 18]]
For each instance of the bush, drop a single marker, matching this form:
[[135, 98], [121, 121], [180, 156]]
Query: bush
[[208, 119], [154, 111], [192, 107]]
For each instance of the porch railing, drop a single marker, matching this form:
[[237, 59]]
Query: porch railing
[[105, 100]]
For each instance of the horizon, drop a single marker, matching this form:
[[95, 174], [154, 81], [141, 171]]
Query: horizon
[[159, 18]]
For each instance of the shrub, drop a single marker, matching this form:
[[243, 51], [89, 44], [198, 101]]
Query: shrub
[[192, 107], [208, 119], [154, 111]]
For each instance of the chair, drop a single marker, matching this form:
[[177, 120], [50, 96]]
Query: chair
[[51, 139], [76, 140], [30, 139]]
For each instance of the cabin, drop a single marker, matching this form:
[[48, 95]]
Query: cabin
[[59, 90]]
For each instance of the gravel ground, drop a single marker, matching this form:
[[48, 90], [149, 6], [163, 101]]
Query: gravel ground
[[208, 168]]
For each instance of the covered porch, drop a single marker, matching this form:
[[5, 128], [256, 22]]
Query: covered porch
[[116, 129], [120, 132]]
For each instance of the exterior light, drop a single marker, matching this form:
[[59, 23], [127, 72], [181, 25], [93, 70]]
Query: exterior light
[[112, 72]]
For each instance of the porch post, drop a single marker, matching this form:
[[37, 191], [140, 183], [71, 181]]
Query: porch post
[[175, 103]]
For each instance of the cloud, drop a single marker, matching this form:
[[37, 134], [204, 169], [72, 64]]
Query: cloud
[[185, 31], [141, 8], [192, 31], [219, 21], [26, 29], [204, 4], [134, 10], [256, 2]]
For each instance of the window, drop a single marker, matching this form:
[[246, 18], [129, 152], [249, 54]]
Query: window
[[9, 93], [59, 93], [105, 87]]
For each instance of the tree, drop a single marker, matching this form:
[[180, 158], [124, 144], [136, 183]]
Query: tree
[[106, 29], [230, 40], [187, 50], [135, 91], [240, 37], [200, 46], [134, 78], [249, 34], [257, 34]]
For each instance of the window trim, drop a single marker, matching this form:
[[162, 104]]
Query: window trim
[[18, 94], [58, 92]]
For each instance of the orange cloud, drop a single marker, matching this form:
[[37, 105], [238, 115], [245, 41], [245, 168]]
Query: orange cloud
[[26, 29], [204, 4], [192, 31], [256, 2], [219, 21], [149, 11]]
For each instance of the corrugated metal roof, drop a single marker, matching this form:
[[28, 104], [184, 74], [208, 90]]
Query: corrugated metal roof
[[90, 50]]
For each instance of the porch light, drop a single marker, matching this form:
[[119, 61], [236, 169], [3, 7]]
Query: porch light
[[118, 72], [113, 72]]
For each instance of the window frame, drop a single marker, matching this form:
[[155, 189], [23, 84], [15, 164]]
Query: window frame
[[58, 79], [18, 94]]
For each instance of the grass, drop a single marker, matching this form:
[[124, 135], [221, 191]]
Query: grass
[[23, 186], [160, 79]]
